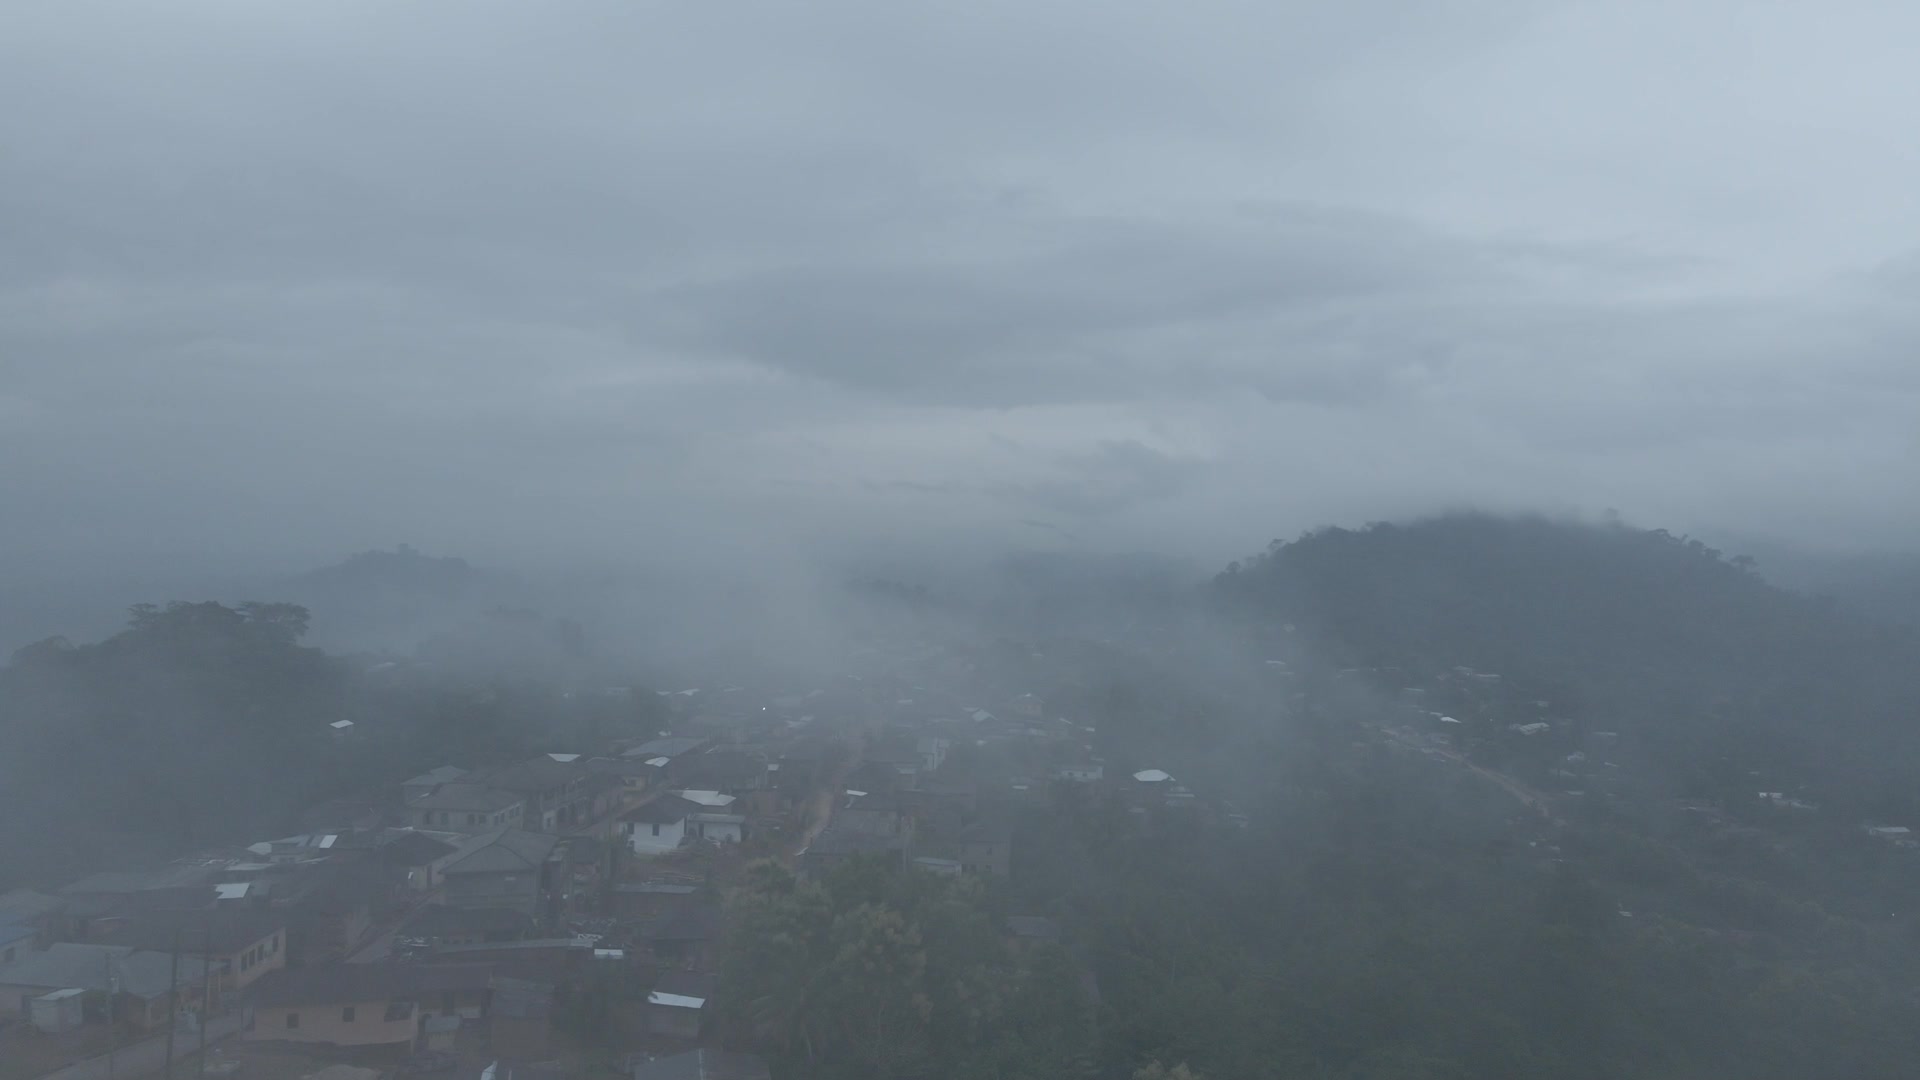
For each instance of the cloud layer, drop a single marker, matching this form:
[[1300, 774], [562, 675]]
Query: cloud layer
[[610, 279]]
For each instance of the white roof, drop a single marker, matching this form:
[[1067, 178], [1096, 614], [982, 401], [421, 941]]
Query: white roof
[[678, 1000], [341, 725], [1152, 776], [233, 891], [659, 762], [1448, 720], [706, 798], [565, 759]]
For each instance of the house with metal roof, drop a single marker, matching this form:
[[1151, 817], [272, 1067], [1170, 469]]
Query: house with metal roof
[[467, 807], [677, 1004], [139, 982], [509, 868], [419, 787]]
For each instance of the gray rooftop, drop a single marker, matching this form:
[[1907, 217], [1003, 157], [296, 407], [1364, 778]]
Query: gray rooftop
[[101, 967], [670, 747], [506, 850], [445, 774], [478, 798]]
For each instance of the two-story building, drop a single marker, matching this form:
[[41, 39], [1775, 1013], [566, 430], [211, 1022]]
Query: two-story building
[[657, 826], [507, 868], [361, 1005], [419, 787], [553, 787], [139, 986], [467, 808], [239, 944]]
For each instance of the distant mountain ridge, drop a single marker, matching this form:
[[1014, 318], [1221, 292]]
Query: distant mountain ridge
[[1713, 666], [394, 599], [402, 567]]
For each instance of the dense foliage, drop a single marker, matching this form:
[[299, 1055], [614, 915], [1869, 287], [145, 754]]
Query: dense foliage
[[878, 971], [206, 723], [1691, 654]]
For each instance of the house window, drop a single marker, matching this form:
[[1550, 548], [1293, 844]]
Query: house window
[[399, 1010], [346, 1015], [293, 1020], [656, 830]]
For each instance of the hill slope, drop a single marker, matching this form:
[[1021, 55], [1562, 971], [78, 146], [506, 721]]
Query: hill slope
[[1659, 636]]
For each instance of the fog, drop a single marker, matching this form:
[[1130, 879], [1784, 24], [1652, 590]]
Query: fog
[[1073, 539], [648, 284]]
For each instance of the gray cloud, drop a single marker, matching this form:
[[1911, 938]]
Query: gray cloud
[[614, 279]]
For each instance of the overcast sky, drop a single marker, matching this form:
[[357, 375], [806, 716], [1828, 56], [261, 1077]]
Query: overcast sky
[[286, 279]]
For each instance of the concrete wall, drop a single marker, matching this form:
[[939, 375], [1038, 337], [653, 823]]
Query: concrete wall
[[267, 954], [326, 1024], [641, 838]]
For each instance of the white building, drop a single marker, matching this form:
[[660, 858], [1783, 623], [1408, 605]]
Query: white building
[[656, 827]]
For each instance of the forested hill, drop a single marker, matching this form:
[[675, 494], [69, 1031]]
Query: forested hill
[[1662, 637]]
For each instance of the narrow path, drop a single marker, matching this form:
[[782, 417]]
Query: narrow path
[[147, 1056], [819, 807]]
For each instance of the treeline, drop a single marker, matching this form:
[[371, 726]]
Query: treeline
[[1388, 918], [876, 970], [204, 723]]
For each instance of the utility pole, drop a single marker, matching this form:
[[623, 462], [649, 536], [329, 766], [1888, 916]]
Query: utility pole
[[173, 999], [113, 999], [206, 996]]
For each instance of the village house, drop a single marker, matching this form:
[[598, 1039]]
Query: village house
[[117, 892], [677, 1004], [549, 788], [46, 915], [16, 941], [673, 751], [636, 776], [741, 774], [658, 826], [986, 846], [1080, 772], [468, 808], [239, 945], [837, 844], [506, 868], [328, 905], [419, 859], [359, 1005], [438, 924], [428, 782], [900, 753], [715, 819], [876, 813], [138, 984]]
